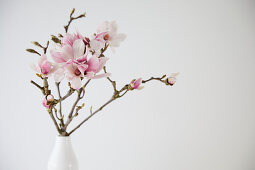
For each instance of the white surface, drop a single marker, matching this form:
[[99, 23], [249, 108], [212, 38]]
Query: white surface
[[63, 156], [205, 122]]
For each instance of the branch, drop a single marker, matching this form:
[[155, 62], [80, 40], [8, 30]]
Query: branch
[[38, 86], [60, 105], [112, 82], [54, 120], [117, 94], [79, 97], [92, 114], [73, 18], [70, 116], [39, 45], [155, 78], [69, 93]]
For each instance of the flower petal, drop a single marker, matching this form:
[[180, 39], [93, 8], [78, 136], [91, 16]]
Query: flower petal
[[59, 75], [57, 57], [137, 83], [102, 62], [41, 60], [93, 64], [78, 48], [101, 76], [96, 45], [76, 83]]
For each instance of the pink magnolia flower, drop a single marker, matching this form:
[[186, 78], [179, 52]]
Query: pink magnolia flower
[[74, 75], [135, 84], [75, 65], [47, 100], [95, 65], [44, 67], [89, 70], [70, 55], [171, 80], [107, 32]]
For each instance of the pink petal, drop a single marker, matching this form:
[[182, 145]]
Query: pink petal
[[96, 45], [103, 27], [93, 64], [46, 67], [41, 60], [76, 83], [82, 68], [101, 76], [44, 102], [59, 75], [90, 75], [57, 57], [67, 52], [78, 48], [117, 39], [102, 62], [100, 36], [82, 59], [137, 83]]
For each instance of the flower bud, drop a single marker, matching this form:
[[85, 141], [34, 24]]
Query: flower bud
[[47, 100], [135, 84], [171, 80]]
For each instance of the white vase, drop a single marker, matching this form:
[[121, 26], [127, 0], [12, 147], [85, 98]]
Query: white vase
[[62, 156]]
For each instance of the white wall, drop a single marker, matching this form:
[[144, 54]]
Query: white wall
[[205, 122]]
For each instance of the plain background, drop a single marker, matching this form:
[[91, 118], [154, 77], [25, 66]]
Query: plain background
[[205, 122]]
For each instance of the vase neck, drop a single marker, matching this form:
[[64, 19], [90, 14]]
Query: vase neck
[[63, 141]]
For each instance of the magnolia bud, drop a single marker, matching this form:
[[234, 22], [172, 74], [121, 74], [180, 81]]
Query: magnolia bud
[[50, 98], [171, 80]]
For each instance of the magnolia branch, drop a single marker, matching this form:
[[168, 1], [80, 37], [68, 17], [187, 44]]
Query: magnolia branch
[[60, 105], [79, 97], [92, 114], [38, 86], [117, 94], [54, 120], [73, 18], [155, 78]]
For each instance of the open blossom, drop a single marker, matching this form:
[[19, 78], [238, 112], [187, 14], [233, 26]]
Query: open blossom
[[72, 53], [136, 84], [107, 32], [171, 80], [44, 67], [75, 65], [74, 75], [47, 100]]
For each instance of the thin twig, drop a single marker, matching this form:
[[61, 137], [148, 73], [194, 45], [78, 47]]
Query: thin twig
[[73, 18], [92, 114], [155, 78], [54, 120], [69, 93], [112, 82], [38, 86], [39, 45], [60, 104], [45, 48], [70, 116]]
